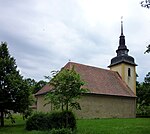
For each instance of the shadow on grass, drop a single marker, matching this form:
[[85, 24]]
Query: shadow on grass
[[14, 125]]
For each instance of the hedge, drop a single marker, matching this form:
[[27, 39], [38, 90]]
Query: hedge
[[49, 121]]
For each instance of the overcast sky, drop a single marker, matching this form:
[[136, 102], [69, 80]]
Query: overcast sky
[[43, 35]]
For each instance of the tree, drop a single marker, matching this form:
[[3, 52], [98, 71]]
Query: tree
[[35, 86], [143, 96], [14, 91], [67, 88], [39, 85], [145, 3], [146, 85]]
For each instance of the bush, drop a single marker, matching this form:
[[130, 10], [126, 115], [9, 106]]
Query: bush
[[56, 120], [69, 120], [38, 121], [143, 110], [65, 119], [61, 131]]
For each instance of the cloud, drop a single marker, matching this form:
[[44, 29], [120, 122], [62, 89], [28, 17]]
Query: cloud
[[44, 35]]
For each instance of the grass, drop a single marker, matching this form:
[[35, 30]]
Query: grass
[[95, 126], [114, 126], [17, 128]]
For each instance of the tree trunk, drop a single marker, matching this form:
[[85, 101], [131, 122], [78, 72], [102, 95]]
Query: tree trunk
[[66, 125], [67, 107], [2, 118], [62, 106]]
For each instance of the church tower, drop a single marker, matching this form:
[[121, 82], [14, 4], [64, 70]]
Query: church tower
[[124, 64]]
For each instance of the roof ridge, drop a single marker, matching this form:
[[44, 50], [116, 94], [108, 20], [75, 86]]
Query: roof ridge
[[70, 62]]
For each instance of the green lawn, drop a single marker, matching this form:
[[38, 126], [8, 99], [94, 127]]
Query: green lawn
[[114, 126], [95, 126]]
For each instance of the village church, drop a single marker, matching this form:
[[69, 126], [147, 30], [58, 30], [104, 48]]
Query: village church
[[112, 93]]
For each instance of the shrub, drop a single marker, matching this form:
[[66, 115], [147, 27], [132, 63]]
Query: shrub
[[143, 111], [68, 120], [56, 120], [61, 131], [38, 121], [65, 119]]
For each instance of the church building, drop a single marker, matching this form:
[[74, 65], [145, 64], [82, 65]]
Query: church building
[[112, 93]]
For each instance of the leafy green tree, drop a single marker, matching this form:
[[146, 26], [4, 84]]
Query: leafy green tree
[[35, 86], [14, 91], [39, 85], [31, 82], [146, 85], [143, 96], [67, 88]]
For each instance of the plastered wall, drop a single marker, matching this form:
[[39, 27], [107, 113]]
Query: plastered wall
[[99, 106], [122, 69]]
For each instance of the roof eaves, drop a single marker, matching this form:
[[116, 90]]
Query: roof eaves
[[41, 93], [90, 93], [123, 61], [112, 95]]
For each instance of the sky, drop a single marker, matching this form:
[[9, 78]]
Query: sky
[[44, 35]]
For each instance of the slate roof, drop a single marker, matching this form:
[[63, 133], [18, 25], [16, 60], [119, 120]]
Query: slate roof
[[98, 81]]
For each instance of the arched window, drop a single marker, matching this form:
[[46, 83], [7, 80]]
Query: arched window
[[129, 72]]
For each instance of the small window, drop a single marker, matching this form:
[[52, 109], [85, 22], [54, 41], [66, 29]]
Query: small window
[[129, 72]]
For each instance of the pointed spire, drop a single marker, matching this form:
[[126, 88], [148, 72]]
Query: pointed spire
[[122, 52], [121, 25], [122, 48]]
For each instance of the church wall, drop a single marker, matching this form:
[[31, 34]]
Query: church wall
[[130, 80], [118, 68], [40, 104], [102, 106], [99, 106], [122, 69]]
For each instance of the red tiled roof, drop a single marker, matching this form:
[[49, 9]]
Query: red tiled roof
[[98, 81], [44, 89]]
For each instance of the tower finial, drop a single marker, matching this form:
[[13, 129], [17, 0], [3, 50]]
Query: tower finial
[[122, 49], [121, 25]]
